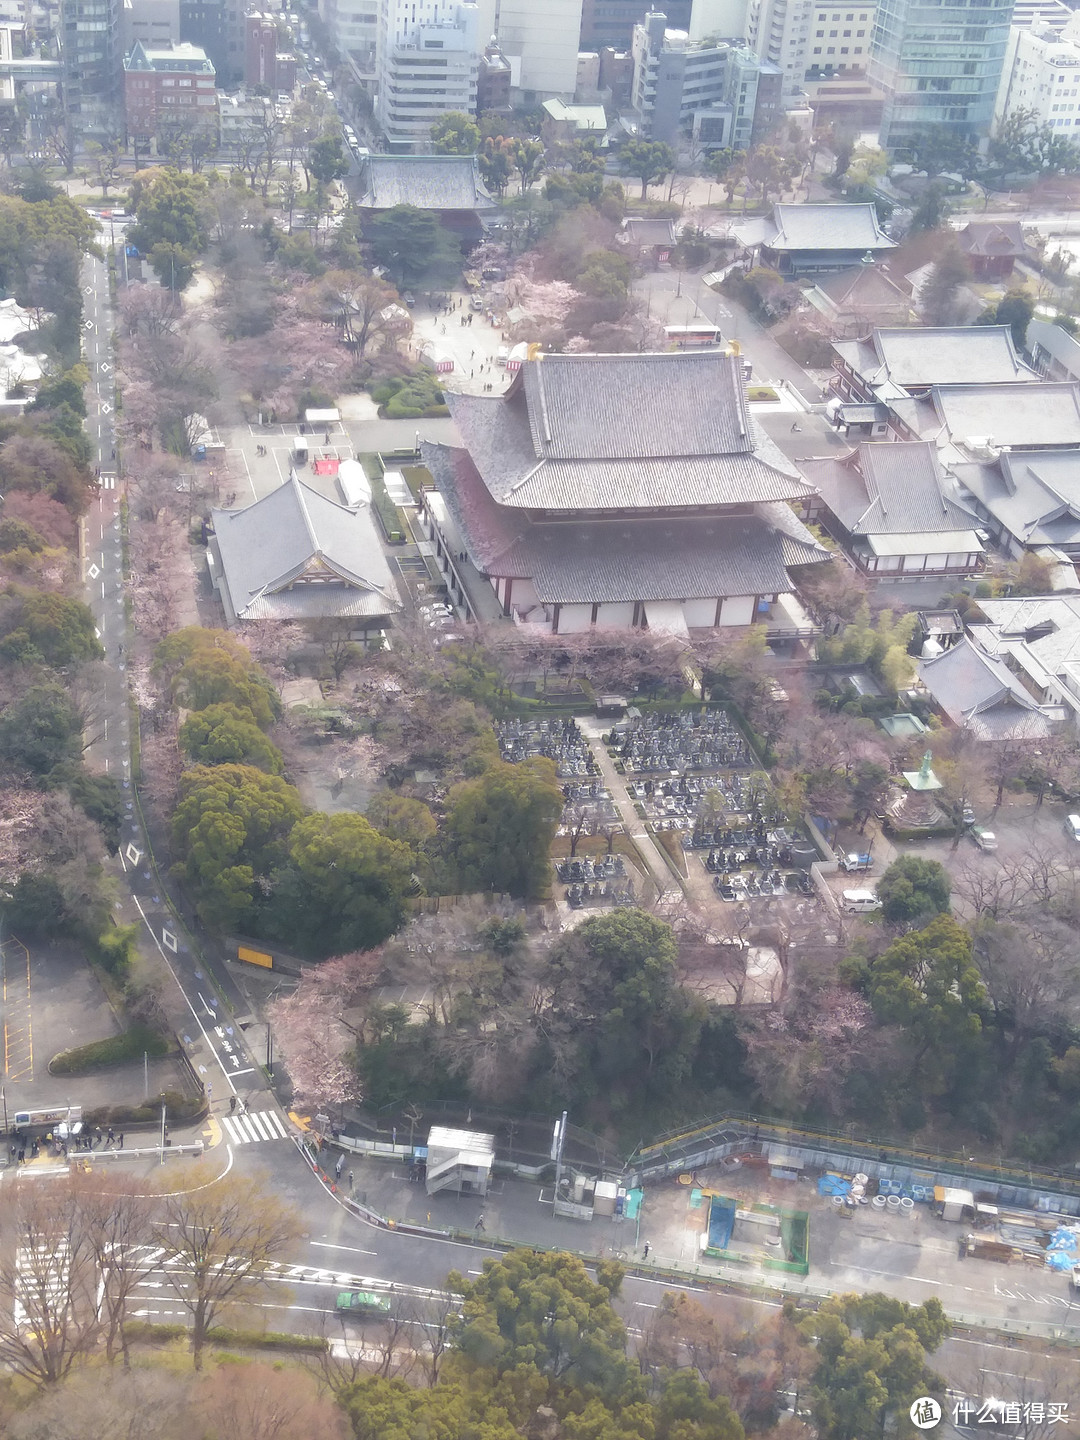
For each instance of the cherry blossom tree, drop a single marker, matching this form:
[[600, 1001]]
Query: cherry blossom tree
[[313, 1038]]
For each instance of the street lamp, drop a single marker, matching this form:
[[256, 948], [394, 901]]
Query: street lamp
[[161, 1160]]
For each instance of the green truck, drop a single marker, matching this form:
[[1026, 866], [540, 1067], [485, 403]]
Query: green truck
[[362, 1302]]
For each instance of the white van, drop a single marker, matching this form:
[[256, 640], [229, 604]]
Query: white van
[[300, 450], [1072, 826], [860, 902]]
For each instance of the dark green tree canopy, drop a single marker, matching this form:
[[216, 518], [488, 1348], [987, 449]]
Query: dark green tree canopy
[[500, 827], [231, 823], [351, 883], [912, 889], [225, 734], [455, 134], [40, 730], [647, 160], [57, 630]]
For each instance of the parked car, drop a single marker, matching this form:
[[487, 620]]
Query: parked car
[[1072, 826], [860, 902], [476, 303], [985, 839], [854, 860]]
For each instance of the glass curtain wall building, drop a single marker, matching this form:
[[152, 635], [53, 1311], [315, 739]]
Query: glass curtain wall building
[[938, 65]]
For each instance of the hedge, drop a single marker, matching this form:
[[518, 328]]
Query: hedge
[[116, 1050], [149, 1331], [179, 1109]]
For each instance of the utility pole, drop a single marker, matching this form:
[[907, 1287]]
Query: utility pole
[[558, 1140], [161, 1161]]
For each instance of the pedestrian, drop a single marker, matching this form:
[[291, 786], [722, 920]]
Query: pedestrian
[[22, 1154], [110, 1136], [232, 1105], [480, 1222], [795, 427], [327, 437], [645, 1251], [97, 1135], [120, 1141]]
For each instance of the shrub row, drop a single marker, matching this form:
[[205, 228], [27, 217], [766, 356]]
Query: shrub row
[[116, 1050]]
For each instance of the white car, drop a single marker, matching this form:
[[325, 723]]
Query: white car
[[985, 839]]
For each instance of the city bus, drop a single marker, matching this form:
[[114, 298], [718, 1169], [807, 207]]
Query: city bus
[[693, 337]]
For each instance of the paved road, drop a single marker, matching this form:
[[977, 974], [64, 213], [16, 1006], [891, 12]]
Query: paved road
[[211, 1038]]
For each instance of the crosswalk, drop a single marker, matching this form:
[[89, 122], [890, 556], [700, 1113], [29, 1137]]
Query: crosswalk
[[42, 1274], [253, 1126]]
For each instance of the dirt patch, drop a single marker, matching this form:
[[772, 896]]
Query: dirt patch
[[335, 775]]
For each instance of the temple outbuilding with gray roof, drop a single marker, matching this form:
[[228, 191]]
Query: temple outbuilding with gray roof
[[295, 555]]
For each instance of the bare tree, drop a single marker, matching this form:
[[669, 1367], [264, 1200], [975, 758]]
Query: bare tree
[[48, 1312], [118, 1223], [139, 1405], [259, 1402], [1032, 1400], [218, 1240]]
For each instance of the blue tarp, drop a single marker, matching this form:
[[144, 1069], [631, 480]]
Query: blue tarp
[[721, 1222], [833, 1185], [1063, 1251]]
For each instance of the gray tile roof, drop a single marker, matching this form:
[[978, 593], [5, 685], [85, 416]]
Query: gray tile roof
[[979, 692], [598, 561], [604, 432], [292, 533], [650, 232], [913, 357], [993, 237], [1054, 619], [1033, 494], [1016, 416], [825, 227], [889, 488], [430, 182]]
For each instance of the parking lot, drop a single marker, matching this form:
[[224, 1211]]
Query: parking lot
[[52, 1002]]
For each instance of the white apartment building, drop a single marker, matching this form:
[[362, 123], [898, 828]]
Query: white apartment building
[[779, 31], [540, 40], [718, 19], [840, 42], [354, 25], [1042, 68], [429, 59]]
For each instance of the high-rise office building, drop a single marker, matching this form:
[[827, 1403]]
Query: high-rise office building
[[354, 25], [1041, 35], [840, 41], [92, 65], [540, 40], [429, 60], [779, 31], [938, 66], [711, 90], [218, 27], [611, 22]]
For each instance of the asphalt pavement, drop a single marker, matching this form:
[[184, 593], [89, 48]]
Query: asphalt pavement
[[201, 1003]]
